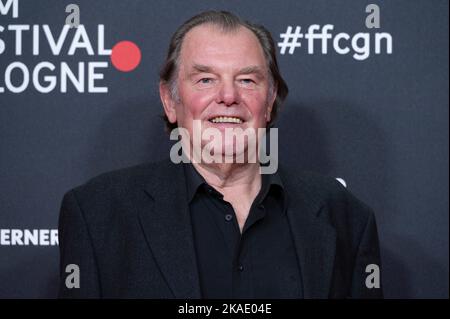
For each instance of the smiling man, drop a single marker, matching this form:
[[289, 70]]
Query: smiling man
[[218, 229], [223, 81]]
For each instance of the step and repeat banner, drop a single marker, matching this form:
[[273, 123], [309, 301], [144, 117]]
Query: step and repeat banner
[[368, 104]]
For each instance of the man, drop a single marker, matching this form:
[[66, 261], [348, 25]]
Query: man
[[218, 229]]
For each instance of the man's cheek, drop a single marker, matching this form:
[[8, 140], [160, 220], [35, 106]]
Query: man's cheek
[[257, 107], [199, 103]]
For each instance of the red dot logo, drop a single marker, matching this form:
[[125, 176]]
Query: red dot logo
[[125, 56]]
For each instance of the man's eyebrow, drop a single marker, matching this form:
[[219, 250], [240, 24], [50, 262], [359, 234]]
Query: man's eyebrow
[[254, 69], [200, 68]]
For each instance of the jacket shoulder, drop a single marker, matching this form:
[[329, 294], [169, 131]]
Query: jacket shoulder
[[129, 176], [321, 186], [326, 191], [108, 190]]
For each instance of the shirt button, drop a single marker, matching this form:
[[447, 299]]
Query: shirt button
[[241, 268], [261, 206], [228, 217]]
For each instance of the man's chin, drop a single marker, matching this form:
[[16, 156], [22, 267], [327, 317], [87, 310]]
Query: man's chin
[[228, 153]]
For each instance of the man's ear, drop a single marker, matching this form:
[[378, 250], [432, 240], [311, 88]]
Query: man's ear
[[167, 102], [272, 97]]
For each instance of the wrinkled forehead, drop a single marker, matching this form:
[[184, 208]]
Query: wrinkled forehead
[[212, 46]]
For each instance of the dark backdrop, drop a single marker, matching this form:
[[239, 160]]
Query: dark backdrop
[[380, 123]]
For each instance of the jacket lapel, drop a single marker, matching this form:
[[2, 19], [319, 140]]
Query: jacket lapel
[[167, 227], [314, 237]]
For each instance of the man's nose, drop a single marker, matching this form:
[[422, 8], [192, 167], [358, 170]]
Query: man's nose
[[228, 94]]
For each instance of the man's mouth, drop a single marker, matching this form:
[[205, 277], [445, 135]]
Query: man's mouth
[[226, 119]]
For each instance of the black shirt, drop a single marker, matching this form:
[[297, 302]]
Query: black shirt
[[259, 263]]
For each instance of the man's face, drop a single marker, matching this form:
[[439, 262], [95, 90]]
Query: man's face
[[223, 81]]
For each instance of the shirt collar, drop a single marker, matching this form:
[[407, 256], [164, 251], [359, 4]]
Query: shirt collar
[[269, 182], [194, 181]]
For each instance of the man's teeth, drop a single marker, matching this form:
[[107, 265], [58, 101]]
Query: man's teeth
[[224, 119]]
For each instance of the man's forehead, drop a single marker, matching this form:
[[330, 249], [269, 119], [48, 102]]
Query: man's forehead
[[209, 30], [204, 45], [251, 69]]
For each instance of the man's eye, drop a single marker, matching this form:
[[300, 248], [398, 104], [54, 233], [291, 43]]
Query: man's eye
[[205, 81], [247, 81]]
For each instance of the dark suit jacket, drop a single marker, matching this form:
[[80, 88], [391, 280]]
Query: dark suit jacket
[[129, 231]]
